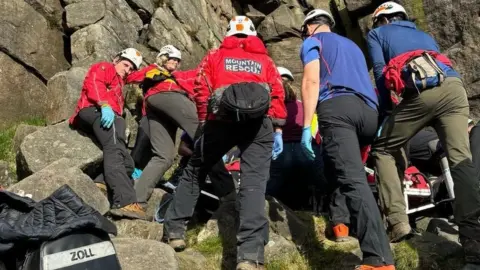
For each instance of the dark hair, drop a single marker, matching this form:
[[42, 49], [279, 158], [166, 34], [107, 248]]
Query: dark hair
[[321, 20]]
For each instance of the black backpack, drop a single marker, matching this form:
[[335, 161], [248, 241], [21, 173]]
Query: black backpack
[[78, 251], [244, 101]]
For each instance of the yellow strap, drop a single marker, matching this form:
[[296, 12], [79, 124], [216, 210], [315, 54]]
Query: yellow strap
[[314, 125]]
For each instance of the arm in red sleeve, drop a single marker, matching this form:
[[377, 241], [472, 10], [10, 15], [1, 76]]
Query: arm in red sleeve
[[202, 90], [139, 75], [95, 84], [277, 110]]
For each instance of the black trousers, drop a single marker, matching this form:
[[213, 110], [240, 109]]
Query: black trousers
[[347, 123], [117, 162], [255, 141]]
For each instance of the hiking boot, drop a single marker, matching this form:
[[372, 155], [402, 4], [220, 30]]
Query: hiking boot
[[103, 188], [341, 233], [177, 244], [400, 232], [249, 266], [133, 210], [369, 267]]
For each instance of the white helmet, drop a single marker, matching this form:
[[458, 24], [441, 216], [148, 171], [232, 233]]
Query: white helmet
[[133, 55], [241, 25], [285, 72], [470, 121], [170, 51], [388, 8], [318, 12]]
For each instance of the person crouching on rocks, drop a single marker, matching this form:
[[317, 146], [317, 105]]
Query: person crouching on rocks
[[99, 111]]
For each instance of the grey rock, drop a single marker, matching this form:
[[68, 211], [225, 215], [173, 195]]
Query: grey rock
[[139, 229], [27, 35], [136, 254], [52, 143], [191, 259], [5, 177], [20, 133], [61, 172], [278, 247], [52, 10], [84, 13], [63, 91], [23, 94]]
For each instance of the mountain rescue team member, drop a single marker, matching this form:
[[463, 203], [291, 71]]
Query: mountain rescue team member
[[99, 110], [292, 164], [402, 56], [336, 83], [240, 68], [222, 182], [168, 104]]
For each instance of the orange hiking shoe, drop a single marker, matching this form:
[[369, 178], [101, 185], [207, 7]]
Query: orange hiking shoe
[[369, 267], [103, 188], [341, 232], [133, 210]]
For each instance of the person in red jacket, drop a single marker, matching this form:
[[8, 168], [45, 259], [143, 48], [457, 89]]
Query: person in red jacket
[[168, 105], [99, 110], [240, 101]]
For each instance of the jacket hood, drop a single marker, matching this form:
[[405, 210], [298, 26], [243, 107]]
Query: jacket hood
[[250, 44]]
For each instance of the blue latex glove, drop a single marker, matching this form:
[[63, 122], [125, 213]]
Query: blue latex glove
[[108, 116], [277, 145], [136, 174], [307, 143]]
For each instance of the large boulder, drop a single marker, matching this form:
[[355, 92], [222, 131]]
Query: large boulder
[[59, 173], [136, 254], [23, 94], [84, 13], [158, 196], [27, 35], [52, 10], [118, 29], [281, 23], [139, 229], [285, 53], [52, 143], [20, 133], [164, 29], [63, 91]]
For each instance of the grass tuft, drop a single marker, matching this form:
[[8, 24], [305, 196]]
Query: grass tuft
[[6, 140]]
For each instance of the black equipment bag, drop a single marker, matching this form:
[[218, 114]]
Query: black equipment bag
[[78, 251]]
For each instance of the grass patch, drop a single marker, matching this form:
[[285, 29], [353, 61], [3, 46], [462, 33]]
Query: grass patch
[[210, 246], [293, 261], [6, 140], [406, 256]]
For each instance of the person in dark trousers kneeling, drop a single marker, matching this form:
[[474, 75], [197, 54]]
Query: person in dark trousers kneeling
[[99, 111], [241, 87], [336, 83], [408, 62], [294, 179]]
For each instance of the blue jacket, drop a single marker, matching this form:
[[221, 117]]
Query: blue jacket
[[343, 69], [391, 40]]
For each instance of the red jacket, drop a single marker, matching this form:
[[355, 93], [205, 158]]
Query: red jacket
[[102, 85], [212, 70], [392, 71], [184, 83]]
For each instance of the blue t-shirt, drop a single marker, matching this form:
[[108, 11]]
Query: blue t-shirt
[[393, 39], [343, 68]]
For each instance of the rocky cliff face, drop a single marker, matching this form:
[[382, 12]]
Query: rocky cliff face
[[46, 46]]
